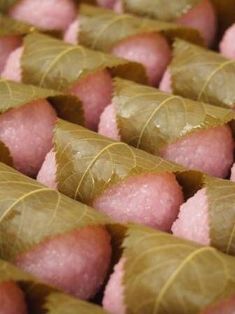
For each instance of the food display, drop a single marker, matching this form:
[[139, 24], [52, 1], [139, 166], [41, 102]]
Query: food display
[[117, 164]]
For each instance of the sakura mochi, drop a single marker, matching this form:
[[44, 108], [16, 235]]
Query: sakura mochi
[[151, 50], [215, 143], [94, 90], [7, 45], [75, 262], [201, 17], [150, 199], [45, 14], [193, 222], [27, 132], [11, 299], [227, 45]]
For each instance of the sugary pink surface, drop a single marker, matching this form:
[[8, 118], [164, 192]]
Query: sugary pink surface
[[47, 173], [45, 14], [232, 178], [12, 69], [108, 124], [203, 18], [210, 151], [113, 300], [165, 84], [7, 45], [223, 307], [149, 199], [192, 222], [76, 262], [227, 45], [72, 33], [27, 131], [152, 50], [95, 92], [11, 299]]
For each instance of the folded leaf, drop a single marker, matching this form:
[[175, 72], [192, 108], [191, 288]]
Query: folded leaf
[[14, 95], [202, 75], [31, 213], [171, 275], [88, 163], [9, 26], [163, 10], [101, 29], [44, 299], [150, 119], [51, 63]]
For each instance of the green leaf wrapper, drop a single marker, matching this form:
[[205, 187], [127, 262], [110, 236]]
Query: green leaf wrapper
[[171, 275], [221, 213], [88, 163], [14, 95], [150, 119], [202, 75], [52, 63], [9, 27], [31, 213], [43, 299], [164, 10], [101, 29]]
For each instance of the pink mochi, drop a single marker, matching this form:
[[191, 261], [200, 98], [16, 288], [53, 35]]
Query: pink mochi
[[113, 300], [95, 92], [203, 18], [149, 199], [12, 69], [151, 50], [232, 178], [210, 151], [11, 299], [47, 173], [45, 14], [192, 222], [76, 262], [108, 124], [227, 45], [27, 131], [7, 45], [166, 83], [215, 143], [72, 33]]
